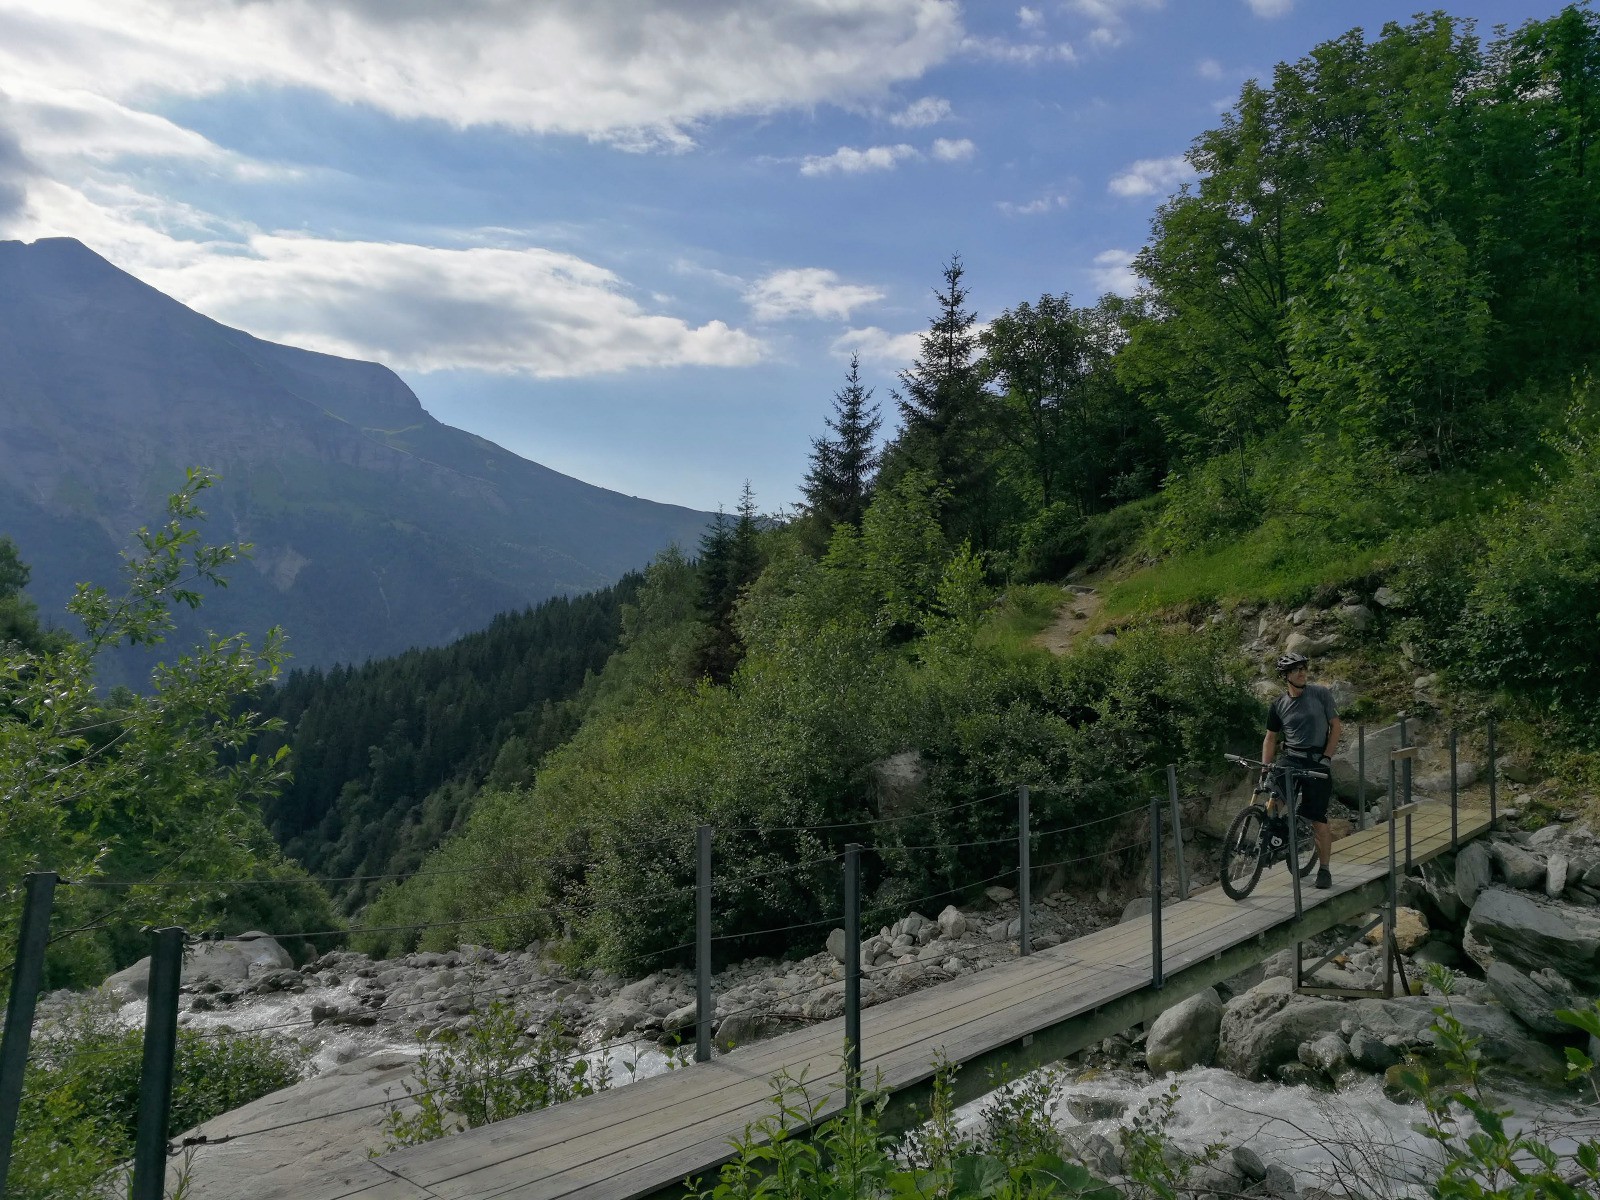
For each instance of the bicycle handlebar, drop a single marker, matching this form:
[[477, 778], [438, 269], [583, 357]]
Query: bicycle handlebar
[[1239, 760]]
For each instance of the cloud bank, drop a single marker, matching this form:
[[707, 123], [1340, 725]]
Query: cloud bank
[[807, 292]]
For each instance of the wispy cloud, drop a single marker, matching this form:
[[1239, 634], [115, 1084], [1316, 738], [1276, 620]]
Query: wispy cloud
[[1270, 8], [1113, 272], [877, 346], [1152, 176], [847, 160], [1032, 208], [1030, 18], [1209, 68], [953, 149], [807, 292], [929, 110], [1108, 19], [1020, 53]]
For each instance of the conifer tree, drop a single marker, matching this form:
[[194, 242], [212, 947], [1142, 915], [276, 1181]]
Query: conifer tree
[[730, 559], [838, 486]]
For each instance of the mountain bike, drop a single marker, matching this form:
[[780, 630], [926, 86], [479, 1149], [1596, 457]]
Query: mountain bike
[[1259, 835]]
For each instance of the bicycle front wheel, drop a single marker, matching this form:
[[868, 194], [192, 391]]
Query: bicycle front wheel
[[1305, 845], [1241, 852]]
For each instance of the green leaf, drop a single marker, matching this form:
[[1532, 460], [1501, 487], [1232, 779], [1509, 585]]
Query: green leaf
[[977, 1176]]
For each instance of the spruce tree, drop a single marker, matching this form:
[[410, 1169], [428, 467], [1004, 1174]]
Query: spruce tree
[[730, 559], [839, 484]]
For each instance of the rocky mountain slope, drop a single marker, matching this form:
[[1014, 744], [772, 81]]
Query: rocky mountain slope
[[375, 527]]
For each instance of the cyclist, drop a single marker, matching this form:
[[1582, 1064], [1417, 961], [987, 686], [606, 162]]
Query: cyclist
[[1307, 719]]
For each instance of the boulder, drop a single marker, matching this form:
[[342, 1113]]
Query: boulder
[[1357, 616], [1249, 1164], [998, 894], [1442, 953], [1312, 645], [1138, 907], [619, 1017], [1410, 931], [836, 943], [232, 960], [1533, 998], [1386, 597], [1555, 878], [1406, 1021], [952, 925], [1327, 1053], [1185, 1035], [1347, 760], [1260, 1033], [899, 780], [1473, 872], [1372, 1053], [1516, 866], [681, 1018], [740, 1029], [1511, 927]]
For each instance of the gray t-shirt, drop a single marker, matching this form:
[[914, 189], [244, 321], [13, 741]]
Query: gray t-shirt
[[1304, 719]]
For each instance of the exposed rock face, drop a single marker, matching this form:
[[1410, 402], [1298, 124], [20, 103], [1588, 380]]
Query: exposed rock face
[[1516, 866], [227, 961], [1473, 872], [1510, 927], [1185, 1035], [1263, 1029], [1535, 998], [1347, 760]]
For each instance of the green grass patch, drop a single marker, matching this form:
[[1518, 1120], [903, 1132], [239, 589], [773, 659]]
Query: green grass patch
[[1259, 565], [1024, 612]]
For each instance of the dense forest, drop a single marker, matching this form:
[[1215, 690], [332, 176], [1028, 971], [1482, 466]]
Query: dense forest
[[1360, 352]]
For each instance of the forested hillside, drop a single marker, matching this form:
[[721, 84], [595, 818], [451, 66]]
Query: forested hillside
[[388, 756], [1360, 353]]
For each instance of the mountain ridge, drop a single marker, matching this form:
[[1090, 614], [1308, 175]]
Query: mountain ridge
[[376, 527]]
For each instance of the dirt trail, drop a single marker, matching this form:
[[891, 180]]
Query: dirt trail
[[1075, 615]]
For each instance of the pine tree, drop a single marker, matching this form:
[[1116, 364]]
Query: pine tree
[[839, 484], [730, 559], [946, 409]]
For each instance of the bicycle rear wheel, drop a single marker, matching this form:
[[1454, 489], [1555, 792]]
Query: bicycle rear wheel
[[1241, 852]]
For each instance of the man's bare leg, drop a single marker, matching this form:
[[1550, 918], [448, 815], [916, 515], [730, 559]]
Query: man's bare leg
[[1324, 841]]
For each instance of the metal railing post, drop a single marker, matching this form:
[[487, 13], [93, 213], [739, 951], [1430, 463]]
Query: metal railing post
[[26, 977], [1455, 792], [1294, 838], [1361, 774], [1393, 899], [1494, 777], [1177, 831], [1024, 874], [1157, 973], [702, 944], [852, 964], [1405, 771], [155, 1073]]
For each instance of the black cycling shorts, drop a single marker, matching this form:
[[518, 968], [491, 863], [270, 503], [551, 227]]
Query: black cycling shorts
[[1315, 794]]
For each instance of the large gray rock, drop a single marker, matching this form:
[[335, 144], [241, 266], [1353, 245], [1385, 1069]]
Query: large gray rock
[[1185, 1035], [1517, 867], [1534, 998], [1555, 879], [1262, 1032], [1327, 1053], [1504, 1041], [1473, 872], [1512, 927], [232, 960], [1379, 743], [1312, 645], [301, 1158], [1372, 1053], [952, 924]]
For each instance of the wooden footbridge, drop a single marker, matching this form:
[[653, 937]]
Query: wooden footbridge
[[643, 1140]]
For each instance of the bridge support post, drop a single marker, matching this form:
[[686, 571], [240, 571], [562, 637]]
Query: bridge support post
[[1361, 775], [1157, 973], [1177, 831], [702, 944], [1455, 793], [852, 965], [155, 1072], [1494, 778], [1024, 874], [1392, 914], [1294, 839], [26, 978]]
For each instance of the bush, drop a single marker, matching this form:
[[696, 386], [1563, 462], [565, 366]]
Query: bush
[[81, 1097]]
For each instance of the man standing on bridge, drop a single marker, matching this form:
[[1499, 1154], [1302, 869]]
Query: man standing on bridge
[[1305, 714]]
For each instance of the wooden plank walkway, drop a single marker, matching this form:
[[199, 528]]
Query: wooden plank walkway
[[642, 1139]]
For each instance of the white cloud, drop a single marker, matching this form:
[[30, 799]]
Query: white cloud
[[1209, 68], [1032, 208], [929, 110], [1025, 54], [878, 346], [633, 73], [1270, 8], [1030, 18], [847, 160], [1152, 176], [1113, 272], [953, 149], [1109, 18], [807, 292], [525, 311]]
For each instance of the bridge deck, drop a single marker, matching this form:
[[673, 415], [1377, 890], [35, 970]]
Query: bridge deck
[[638, 1140]]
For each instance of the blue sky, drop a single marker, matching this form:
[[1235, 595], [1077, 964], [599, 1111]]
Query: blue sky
[[634, 241]]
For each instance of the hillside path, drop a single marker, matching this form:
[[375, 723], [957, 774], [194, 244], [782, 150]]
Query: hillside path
[[1077, 611]]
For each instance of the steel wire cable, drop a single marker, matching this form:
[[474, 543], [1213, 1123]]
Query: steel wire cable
[[931, 812]]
